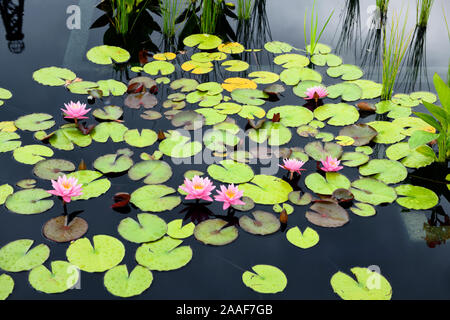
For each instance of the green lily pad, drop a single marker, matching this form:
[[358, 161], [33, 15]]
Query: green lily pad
[[212, 232], [309, 238], [320, 48], [5, 191], [278, 47], [354, 159], [228, 108], [329, 59], [159, 67], [107, 55], [93, 187], [111, 86], [363, 209], [364, 149], [179, 146], [62, 277], [327, 214], [346, 90], [6, 286], [300, 200], [121, 284], [249, 204], [113, 163], [372, 191], [83, 87], [106, 253], [286, 206], [300, 89], [212, 116], [264, 189], [164, 255], [387, 171], [319, 151], [292, 116], [263, 223], [230, 171], [235, 65], [370, 89], [154, 172], [189, 120], [339, 114], [4, 95], [291, 60], [16, 256], [145, 138], [252, 97], [202, 41], [8, 141], [424, 96], [369, 285], [108, 113], [412, 158], [35, 122], [405, 100], [149, 228], [387, 132], [106, 130], [184, 84], [51, 169], [275, 132], [346, 72], [53, 76], [293, 76], [220, 140], [415, 197], [204, 99], [29, 201], [264, 77], [265, 279], [333, 181], [176, 229], [154, 198], [208, 56]]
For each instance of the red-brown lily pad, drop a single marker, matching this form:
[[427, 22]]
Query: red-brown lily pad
[[263, 223], [141, 99], [212, 232], [327, 214], [56, 230], [361, 133]]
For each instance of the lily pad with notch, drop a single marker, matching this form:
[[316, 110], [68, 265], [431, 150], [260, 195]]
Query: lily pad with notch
[[35, 122], [93, 187], [308, 239], [319, 151], [148, 228], [155, 198], [29, 201], [262, 223], [154, 172], [265, 279], [387, 171], [56, 230], [230, 171], [328, 184], [62, 277], [264, 189], [16, 256], [113, 163], [215, 232], [416, 197], [120, 283], [372, 191], [327, 214]]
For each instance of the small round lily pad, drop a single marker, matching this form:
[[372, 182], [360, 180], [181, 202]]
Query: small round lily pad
[[176, 229], [212, 232], [309, 238], [56, 230], [249, 204], [113, 163], [35, 122], [265, 279], [61, 278], [149, 228], [154, 171], [121, 284]]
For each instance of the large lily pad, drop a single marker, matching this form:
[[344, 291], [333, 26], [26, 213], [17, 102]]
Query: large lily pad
[[159, 67], [141, 99], [363, 209], [291, 60], [264, 189], [29, 201], [369, 285], [8, 141], [142, 139], [387, 132], [354, 159], [154, 172], [299, 199], [263, 223], [387, 171], [278, 47], [265, 279], [149, 228], [67, 137], [6, 286], [274, 132], [16, 256], [164, 255], [339, 114], [415, 197], [179, 146], [212, 232], [56, 230], [293, 76], [346, 72], [292, 116], [327, 214], [93, 187], [370, 89], [202, 41], [235, 65], [346, 90], [184, 84], [107, 55], [309, 238], [319, 151], [106, 130], [326, 59], [372, 191], [51, 169], [333, 181], [35, 122], [176, 229], [121, 284], [108, 113], [53, 76], [264, 77], [252, 97], [154, 198], [113, 163], [189, 120], [361, 133], [230, 171], [62, 277], [411, 158], [106, 253]]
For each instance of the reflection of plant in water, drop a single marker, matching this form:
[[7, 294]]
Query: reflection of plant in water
[[314, 38], [170, 10], [12, 16], [393, 52], [448, 33], [437, 228], [351, 27], [244, 9], [382, 6]]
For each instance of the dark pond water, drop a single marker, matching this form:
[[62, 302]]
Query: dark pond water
[[392, 239]]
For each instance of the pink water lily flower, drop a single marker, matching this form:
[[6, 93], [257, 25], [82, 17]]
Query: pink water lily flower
[[67, 188], [292, 165], [75, 110], [229, 196], [331, 165], [198, 188], [316, 93]]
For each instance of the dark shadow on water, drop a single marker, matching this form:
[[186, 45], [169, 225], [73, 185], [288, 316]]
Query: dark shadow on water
[[350, 35], [196, 212], [12, 16]]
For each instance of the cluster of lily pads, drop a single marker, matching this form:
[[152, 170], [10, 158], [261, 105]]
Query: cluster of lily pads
[[192, 105]]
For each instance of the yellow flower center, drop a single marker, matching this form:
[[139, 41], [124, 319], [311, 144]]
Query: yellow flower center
[[67, 185], [230, 193], [198, 186]]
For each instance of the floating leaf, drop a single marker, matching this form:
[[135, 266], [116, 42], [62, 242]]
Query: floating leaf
[[108, 113], [53, 76], [212, 116], [106, 130], [212, 232], [230, 84], [372, 191], [387, 132], [5, 191], [62, 277], [301, 200], [231, 47], [264, 77], [164, 56], [56, 229], [113, 163], [263, 223], [361, 133], [16, 256], [286, 207], [370, 89], [202, 41], [197, 67], [354, 159], [292, 116], [309, 238], [107, 55], [249, 204], [106, 253], [230, 171], [278, 47], [151, 115], [320, 48], [121, 284], [300, 89], [327, 214], [363, 209], [333, 180], [235, 65], [346, 90], [319, 151], [154, 198], [293, 76], [164, 255], [291, 60], [35, 122], [8, 141], [154, 172], [111, 86], [29, 201], [141, 99], [339, 114], [208, 56], [369, 285], [149, 228], [184, 84], [415, 197], [346, 72], [264, 189], [326, 59], [275, 132], [265, 279], [145, 138], [252, 97], [159, 67], [412, 158], [176, 229], [6, 286], [179, 146], [92, 188], [387, 171]]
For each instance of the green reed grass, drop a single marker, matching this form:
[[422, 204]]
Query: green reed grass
[[394, 50], [210, 12], [170, 10], [448, 33], [244, 9], [313, 36], [383, 5], [423, 10], [124, 14]]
